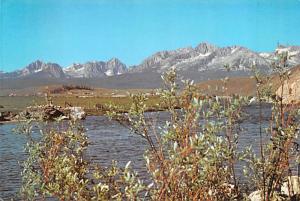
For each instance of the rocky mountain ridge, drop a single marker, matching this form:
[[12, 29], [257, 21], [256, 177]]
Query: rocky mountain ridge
[[207, 57], [204, 59], [95, 69], [37, 69]]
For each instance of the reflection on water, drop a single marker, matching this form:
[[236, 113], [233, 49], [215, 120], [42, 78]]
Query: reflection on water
[[109, 141]]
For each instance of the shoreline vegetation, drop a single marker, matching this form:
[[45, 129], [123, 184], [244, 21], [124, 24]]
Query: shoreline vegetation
[[95, 101], [193, 156], [92, 106]]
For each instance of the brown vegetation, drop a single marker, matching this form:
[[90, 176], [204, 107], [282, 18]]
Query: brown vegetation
[[245, 86]]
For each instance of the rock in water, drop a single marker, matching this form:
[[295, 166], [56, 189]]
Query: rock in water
[[77, 113], [7, 116], [51, 113]]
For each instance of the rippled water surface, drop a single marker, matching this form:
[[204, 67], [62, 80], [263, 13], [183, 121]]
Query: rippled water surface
[[109, 141]]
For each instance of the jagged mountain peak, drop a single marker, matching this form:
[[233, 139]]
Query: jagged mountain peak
[[96, 69], [205, 48], [37, 69], [204, 56], [36, 62], [114, 60], [51, 70]]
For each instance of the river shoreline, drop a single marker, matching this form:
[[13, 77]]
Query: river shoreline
[[88, 112]]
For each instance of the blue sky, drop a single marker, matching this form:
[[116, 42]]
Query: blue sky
[[67, 31]]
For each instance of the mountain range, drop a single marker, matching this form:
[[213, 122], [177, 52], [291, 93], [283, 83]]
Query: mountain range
[[95, 69], [203, 62]]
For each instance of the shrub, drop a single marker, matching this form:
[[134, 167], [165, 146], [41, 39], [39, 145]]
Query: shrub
[[56, 167], [278, 155], [65, 88]]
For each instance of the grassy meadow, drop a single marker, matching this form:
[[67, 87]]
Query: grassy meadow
[[19, 103]]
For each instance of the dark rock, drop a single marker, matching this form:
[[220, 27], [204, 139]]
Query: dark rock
[[46, 113], [1, 106], [51, 113], [7, 116]]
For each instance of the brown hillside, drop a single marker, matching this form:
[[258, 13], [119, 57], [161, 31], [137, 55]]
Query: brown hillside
[[235, 85], [247, 86], [291, 87]]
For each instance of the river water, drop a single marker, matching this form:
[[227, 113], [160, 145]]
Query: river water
[[109, 141]]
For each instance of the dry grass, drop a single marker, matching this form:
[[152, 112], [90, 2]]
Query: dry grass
[[19, 103], [243, 85], [235, 85]]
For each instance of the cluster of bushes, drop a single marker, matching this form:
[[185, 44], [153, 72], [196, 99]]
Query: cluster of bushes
[[65, 88], [193, 157], [80, 87]]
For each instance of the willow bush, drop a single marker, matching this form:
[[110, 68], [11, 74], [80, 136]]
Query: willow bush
[[187, 159], [192, 157], [280, 154]]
